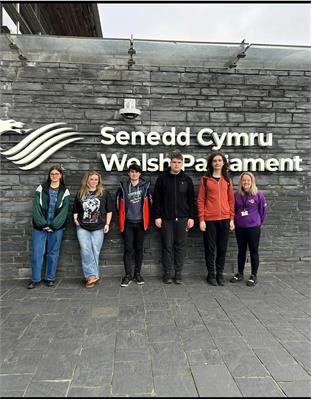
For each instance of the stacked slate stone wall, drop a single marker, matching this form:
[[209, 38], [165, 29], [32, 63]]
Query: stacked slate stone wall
[[88, 97]]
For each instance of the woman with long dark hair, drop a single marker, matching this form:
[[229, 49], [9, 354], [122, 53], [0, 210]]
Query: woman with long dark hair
[[250, 213], [50, 211], [216, 215], [92, 213]]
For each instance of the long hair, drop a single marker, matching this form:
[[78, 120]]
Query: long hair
[[225, 168], [60, 170], [84, 186], [253, 188]]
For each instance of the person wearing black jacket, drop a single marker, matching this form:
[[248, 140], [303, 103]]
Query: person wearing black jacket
[[173, 209]]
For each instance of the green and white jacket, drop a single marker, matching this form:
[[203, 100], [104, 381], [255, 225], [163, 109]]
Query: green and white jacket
[[41, 206]]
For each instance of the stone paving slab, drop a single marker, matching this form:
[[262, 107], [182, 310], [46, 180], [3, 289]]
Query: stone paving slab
[[156, 340]]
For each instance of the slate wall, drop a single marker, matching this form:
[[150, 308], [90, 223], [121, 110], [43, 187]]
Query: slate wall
[[88, 97]]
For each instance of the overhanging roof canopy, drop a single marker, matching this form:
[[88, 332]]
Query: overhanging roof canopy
[[155, 52]]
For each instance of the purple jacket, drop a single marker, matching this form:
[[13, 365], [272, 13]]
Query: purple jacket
[[254, 208]]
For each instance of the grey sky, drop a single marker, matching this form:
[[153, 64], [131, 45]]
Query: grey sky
[[258, 23]]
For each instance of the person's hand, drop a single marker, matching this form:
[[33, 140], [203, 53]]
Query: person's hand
[[202, 226], [231, 225], [158, 222], [106, 228], [190, 223]]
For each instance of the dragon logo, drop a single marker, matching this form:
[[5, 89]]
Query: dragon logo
[[39, 144]]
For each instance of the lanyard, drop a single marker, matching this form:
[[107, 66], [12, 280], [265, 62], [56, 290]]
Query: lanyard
[[244, 201]]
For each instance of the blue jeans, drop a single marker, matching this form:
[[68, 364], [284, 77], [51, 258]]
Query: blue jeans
[[45, 243], [90, 246]]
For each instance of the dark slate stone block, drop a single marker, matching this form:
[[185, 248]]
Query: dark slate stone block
[[175, 386], [259, 387], [11, 393], [89, 392], [47, 389], [168, 358], [56, 366], [131, 378], [202, 356], [15, 382], [162, 317], [283, 373], [92, 373], [196, 338], [300, 389], [24, 361], [163, 333], [243, 363], [214, 381]]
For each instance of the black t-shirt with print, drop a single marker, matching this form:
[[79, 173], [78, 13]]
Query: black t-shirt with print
[[92, 210]]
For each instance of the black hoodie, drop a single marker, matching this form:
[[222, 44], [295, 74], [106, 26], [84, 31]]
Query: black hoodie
[[173, 196]]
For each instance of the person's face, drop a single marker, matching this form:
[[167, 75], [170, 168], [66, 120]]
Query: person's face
[[176, 165], [217, 163], [246, 182], [92, 181], [55, 176], [134, 175]]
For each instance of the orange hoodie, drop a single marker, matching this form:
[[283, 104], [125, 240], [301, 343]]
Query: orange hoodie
[[215, 199]]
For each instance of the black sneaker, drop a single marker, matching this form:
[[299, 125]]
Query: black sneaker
[[33, 284], [167, 279], [252, 280], [126, 281], [50, 283], [211, 280], [220, 280], [237, 278], [178, 279], [139, 279]]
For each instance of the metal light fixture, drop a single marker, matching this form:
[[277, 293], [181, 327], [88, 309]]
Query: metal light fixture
[[131, 52], [242, 54], [129, 111]]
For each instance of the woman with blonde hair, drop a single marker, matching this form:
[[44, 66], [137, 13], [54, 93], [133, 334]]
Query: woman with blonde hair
[[250, 213], [92, 213]]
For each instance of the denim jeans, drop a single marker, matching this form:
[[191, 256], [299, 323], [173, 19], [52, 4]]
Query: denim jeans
[[90, 246], [45, 243]]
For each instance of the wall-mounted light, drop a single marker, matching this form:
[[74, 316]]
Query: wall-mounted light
[[129, 111], [241, 54], [14, 46], [131, 52]]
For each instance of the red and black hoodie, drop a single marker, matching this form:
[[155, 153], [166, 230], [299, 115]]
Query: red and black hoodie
[[127, 195]]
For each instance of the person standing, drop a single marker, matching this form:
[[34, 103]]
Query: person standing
[[216, 215], [50, 211], [173, 209], [92, 213], [133, 204], [250, 214]]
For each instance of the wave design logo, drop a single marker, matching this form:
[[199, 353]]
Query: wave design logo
[[39, 144]]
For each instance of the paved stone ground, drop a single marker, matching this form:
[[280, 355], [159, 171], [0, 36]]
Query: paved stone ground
[[157, 340]]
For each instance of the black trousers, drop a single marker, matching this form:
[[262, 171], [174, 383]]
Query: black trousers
[[248, 237], [133, 236], [174, 235], [215, 240]]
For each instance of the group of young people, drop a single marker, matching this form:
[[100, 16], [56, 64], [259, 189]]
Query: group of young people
[[171, 206]]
